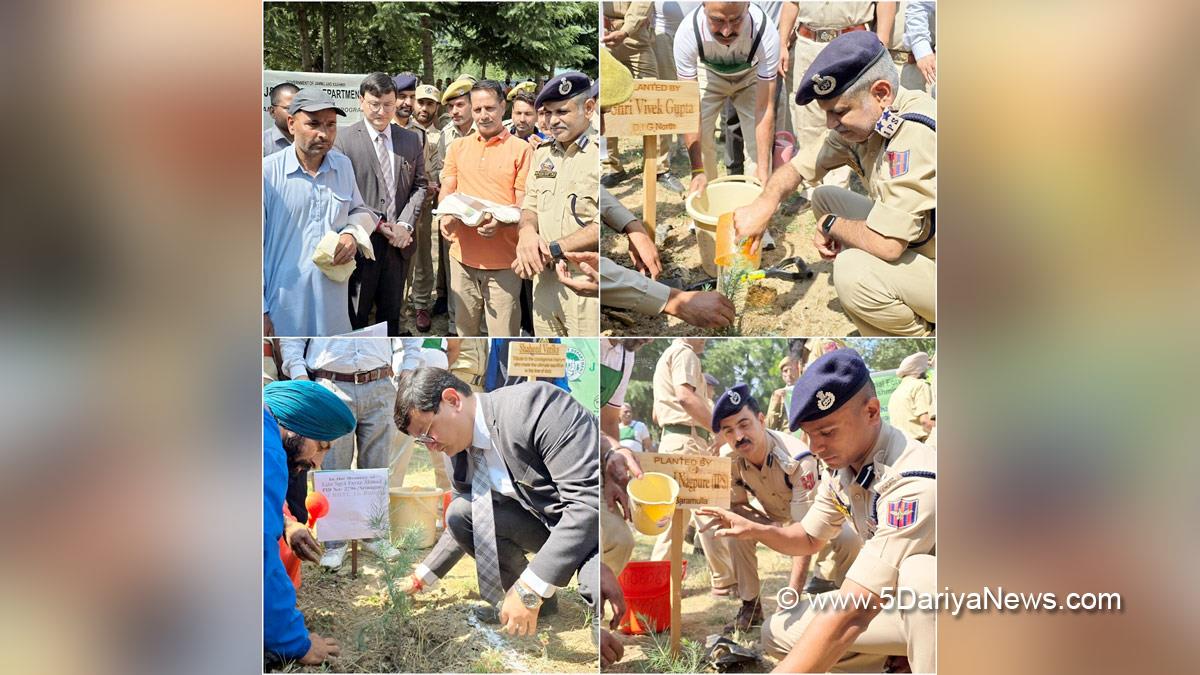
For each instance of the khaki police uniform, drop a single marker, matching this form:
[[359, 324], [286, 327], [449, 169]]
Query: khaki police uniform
[[620, 286], [786, 486], [636, 52], [680, 434], [420, 274], [562, 190], [817, 23], [885, 298], [912, 398], [902, 56], [891, 503]]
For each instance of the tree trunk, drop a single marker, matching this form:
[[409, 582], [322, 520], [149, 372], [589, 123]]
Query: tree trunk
[[305, 48], [339, 32], [426, 50], [326, 43]]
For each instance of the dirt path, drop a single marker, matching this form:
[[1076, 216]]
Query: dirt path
[[441, 634], [807, 307], [702, 613]]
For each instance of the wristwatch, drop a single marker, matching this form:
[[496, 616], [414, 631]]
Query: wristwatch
[[827, 224], [530, 599], [407, 227], [556, 251]]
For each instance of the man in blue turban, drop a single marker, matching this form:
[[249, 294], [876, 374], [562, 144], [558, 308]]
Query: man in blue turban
[[300, 419]]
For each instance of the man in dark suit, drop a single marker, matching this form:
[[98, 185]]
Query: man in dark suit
[[526, 477], [389, 167]]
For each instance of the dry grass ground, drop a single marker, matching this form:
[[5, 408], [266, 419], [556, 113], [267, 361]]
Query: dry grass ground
[[808, 307], [439, 635]]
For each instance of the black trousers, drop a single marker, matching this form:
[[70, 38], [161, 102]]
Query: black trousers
[[297, 492], [380, 286], [517, 532]]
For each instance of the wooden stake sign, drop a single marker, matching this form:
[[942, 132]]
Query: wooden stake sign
[[703, 480], [537, 359], [657, 108]]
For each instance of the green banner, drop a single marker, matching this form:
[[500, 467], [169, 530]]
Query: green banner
[[583, 371]]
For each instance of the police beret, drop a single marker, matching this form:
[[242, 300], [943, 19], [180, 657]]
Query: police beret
[[568, 85], [457, 88], [826, 385], [528, 87], [839, 64], [428, 91], [730, 403], [405, 81]]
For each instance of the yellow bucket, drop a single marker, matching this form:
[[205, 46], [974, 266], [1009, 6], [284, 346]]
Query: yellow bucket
[[723, 195], [414, 506], [653, 498]]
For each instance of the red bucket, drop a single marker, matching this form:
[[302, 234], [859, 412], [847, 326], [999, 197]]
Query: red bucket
[[647, 589]]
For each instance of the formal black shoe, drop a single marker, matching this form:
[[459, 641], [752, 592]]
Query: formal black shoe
[[817, 585], [612, 180], [439, 307], [749, 615]]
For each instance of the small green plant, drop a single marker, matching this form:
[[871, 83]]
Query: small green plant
[[731, 282], [660, 659], [491, 661]]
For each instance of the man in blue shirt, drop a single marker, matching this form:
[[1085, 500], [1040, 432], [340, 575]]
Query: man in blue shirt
[[278, 136], [309, 190], [300, 419]]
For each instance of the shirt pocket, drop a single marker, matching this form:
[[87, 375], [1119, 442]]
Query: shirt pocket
[[337, 205]]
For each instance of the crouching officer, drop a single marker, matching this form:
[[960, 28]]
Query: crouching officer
[[882, 484], [781, 473], [883, 245], [561, 209]]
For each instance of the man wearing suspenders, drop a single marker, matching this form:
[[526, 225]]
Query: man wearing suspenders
[[882, 245]]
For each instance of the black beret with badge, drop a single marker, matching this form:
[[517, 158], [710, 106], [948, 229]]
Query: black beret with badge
[[826, 385], [568, 85], [733, 400], [405, 82], [839, 65]]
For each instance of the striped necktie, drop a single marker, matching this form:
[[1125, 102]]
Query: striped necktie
[[487, 560], [385, 167]]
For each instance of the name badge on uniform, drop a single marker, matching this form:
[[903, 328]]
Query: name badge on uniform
[[546, 170]]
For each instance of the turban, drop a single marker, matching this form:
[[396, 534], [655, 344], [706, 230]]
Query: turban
[[308, 409], [913, 365]]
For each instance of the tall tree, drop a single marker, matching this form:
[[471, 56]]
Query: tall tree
[[306, 62], [426, 49], [326, 43]]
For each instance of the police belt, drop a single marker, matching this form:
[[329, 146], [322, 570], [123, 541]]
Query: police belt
[[687, 430], [362, 377], [826, 34]]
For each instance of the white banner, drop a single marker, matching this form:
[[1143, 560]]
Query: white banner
[[343, 88]]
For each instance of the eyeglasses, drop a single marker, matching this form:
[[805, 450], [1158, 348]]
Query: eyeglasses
[[376, 107], [424, 438]]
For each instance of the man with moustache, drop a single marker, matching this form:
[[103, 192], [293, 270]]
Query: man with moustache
[[561, 209], [300, 419], [526, 478], [390, 170], [490, 164], [523, 122], [456, 106], [883, 486], [308, 191], [278, 137], [777, 470], [420, 268], [883, 245]]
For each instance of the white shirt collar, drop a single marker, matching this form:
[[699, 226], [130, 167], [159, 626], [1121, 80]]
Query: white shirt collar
[[386, 133], [482, 438]]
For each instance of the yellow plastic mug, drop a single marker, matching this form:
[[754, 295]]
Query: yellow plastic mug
[[652, 498]]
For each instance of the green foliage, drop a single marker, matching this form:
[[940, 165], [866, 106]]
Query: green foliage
[[887, 353], [659, 658], [517, 39]]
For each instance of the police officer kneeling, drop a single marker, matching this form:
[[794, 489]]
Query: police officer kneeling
[[884, 485], [883, 245]]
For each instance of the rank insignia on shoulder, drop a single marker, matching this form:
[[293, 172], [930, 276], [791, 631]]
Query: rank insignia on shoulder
[[888, 124], [897, 163]]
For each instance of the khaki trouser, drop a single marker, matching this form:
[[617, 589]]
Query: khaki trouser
[[643, 63], [420, 267], [560, 312], [716, 550], [837, 555], [616, 540], [664, 54], [491, 295], [881, 298], [891, 632], [714, 91], [784, 100], [808, 121]]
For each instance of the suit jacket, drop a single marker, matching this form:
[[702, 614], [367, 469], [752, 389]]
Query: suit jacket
[[549, 443], [408, 163]]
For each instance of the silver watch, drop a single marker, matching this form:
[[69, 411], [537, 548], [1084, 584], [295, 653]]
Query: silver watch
[[530, 599]]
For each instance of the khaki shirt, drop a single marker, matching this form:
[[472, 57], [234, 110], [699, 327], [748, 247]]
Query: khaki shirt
[[562, 186], [624, 288], [891, 504], [911, 399], [785, 485], [835, 14], [900, 174], [632, 17], [472, 357], [434, 159], [677, 365], [777, 409]]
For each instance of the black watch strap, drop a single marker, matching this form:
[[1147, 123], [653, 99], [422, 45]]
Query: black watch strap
[[556, 251], [827, 223]]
